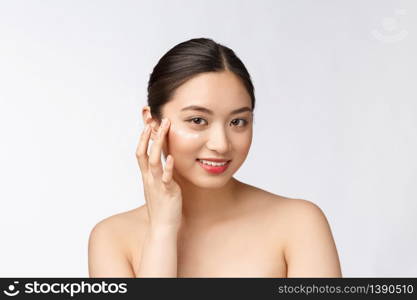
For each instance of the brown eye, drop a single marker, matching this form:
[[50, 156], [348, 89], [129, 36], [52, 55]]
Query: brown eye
[[244, 122], [195, 120]]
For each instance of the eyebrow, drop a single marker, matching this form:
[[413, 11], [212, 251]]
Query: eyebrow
[[208, 111]]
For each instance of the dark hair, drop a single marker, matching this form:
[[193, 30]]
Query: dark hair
[[186, 60]]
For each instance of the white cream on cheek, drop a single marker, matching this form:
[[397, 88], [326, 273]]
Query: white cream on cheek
[[183, 133]]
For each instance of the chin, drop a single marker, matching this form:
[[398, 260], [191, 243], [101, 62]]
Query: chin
[[211, 183]]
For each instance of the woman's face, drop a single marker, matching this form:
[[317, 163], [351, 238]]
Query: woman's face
[[196, 134]]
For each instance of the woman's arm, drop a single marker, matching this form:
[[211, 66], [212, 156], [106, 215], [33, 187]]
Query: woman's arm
[[159, 253], [107, 255], [310, 250]]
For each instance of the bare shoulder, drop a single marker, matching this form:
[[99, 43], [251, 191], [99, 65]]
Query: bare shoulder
[[293, 213], [302, 229], [111, 241], [124, 226], [309, 247], [268, 202], [284, 207], [119, 222]]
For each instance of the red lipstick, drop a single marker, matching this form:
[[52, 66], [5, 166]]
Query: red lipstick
[[214, 169]]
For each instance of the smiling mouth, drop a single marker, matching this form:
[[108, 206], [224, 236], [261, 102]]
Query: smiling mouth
[[214, 168], [215, 163]]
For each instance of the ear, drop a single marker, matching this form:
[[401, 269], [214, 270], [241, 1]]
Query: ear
[[147, 119]]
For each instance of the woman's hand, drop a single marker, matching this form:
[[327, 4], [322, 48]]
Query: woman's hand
[[162, 194]]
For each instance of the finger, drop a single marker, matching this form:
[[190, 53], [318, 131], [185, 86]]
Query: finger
[[155, 152], [142, 149], [169, 167]]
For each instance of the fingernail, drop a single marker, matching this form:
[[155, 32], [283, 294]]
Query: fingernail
[[164, 122]]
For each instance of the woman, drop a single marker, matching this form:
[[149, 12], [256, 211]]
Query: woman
[[198, 220]]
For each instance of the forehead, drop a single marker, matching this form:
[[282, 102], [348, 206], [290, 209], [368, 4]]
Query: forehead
[[218, 91]]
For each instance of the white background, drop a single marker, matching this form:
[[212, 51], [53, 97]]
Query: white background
[[335, 118]]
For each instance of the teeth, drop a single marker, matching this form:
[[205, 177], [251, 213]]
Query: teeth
[[210, 163]]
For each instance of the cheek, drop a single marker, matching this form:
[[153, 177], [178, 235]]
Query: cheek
[[184, 134], [183, 142], [242, 144]]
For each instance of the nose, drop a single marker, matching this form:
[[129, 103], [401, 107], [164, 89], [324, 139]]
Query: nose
[[218, 140]]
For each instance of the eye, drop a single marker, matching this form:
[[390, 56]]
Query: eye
[[244, 122], [195, 119]]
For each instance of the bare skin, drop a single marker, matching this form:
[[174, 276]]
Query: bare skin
[[196, 224], [240, 246], [266, 237]]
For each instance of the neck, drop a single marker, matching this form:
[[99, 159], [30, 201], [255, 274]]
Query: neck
[[207, 205]]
